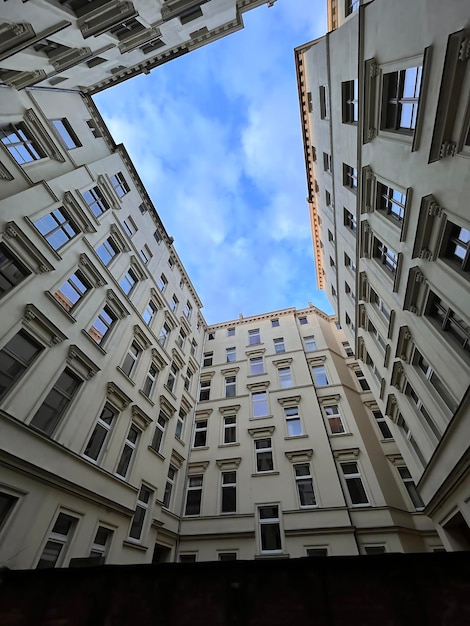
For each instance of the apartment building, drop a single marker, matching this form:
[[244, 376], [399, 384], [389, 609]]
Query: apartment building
[[89, 45], [385, 123]]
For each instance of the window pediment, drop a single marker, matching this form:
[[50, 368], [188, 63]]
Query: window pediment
[[332, 398], [255, 352], [117, 306], [140, 418], [282, 362], [91, 272], [290, 401], [41, 326], [346, 454], [117, 397], [203, 414], [259, 386], [85, 366], [36, 128], [197, 467], [158, 359], [296, 456], [167, 406], [229, 464], [141, 337], [229, 410], [27, 252], [229, 371], [177, 459], [261, 431]]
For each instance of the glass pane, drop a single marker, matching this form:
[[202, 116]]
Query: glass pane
[[137, 523], [294, 428], [265, 461], [306, 494], [229, 499], [356, 491], [50, 555], [268, 512], [96, 442], [270, 537], [193, 502], [6, 504], [124, 461]]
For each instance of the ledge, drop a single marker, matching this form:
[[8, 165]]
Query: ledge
[[137, 546], [273, 473]]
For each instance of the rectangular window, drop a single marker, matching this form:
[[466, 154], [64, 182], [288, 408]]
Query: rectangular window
[[12, 271], [347, 348], [354, 484], [129, 226], [162, 282], [293, 423], [194, 495], [279, 346], [254, 337], [434, 380], [188, 379], [200, 434], [181, 339], [149, 313], [55, 549], [188, 309], [350, 93], [205, 390], [65, 133], [260, 403], [416, 400], [374, 549], [20, 143], [128, 451], [313, 552], [380, 305], [327, 198], [128, 281], [303, 320], [231, 355], [350, 177], [99, 437], [164, 335], [142, 507], [150, 380], [320, 378], [174, 303], [361, 379], [159, 433], [409, 436], [324, 102], [377, 336], [172, 377], [391, 202], [304, 482], [207, 360], [227, 556], [449, 321], [96, 201], [7, 503], [72, 291], [193, 347], [351, 6], [131, 359], [274, 323], [264, 455], [211, 335], [230, 386], [102, 542], [256, 365], [400, 99], [456, 246], [230, 332], [56, 402], [107, 251], [335, 422], [270, 529], [188, 558], [169, 486], [285, 377], [102, 324], [350, 220], [145, 254], [410, 487], [15, 358], [229, 492], [119, 184], [382, 424], [310, 343], [385, 256], [373, 368], [180, 424], [230, 429], [57, 228]]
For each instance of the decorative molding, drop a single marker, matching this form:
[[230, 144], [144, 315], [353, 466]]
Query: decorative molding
[[5, 174], [230, 370], [258, 386], [91, 271], [166, 405], [197, 467], [203, 413], [140, 418], [178, 359], [255, 352], [448, 149], [177, 459], [22, 247], [141, 337], [291, 400], [73, 206], [346, 453], [229, 464], [34, 124], [229, 410], [333, 397], [395, 459], [158, 359], [261, 431], [81, 362], [116, 396], [392, 409], [121, 240], [299, 455], [116, 304], [282, 362], [41, 326]]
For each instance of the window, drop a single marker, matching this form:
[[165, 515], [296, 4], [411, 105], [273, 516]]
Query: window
[[72, 291], [361, 379], [409, 436], [193, 347], [119, 184], [350, 177], [347, 348], [449, 321], [310, 343], [293, 423], [320, 378], [333, 417], [180, 424], [181, 339], [174, 303], [65, 133], [324, 102], [227, 556], [400, 99], [57, 228], [12, 271], [385, 256], [15, 358], [200, 434], [7, 503], [351, 6], [127, 29], [327, 162], [102, 324], [128, 451], [270, 529], [188, 309], [164, 334], [274, 323], [430, 375], [96, 443], [350, 101], [55, 403], [354, 484], [101, 542], [313, 552], [382, 424], [211, 335], [230, 429], [188, 379], [332, 263], [107, 251], [129, 226], [456, 246], [157, 236], [54, 551], [159, 433], [190, 14], [230, 386], [230, 332], [377, 336], [205, 390], [96, 201], [327, 198], [229, 492], [187, 558], [19, 142], [231, 355], [145, 254], [350, 220], [349, 263], [207, 360], [380, 305], [149, 313], [260, 403], [374, 549], [128, 281], [410, 487], [254, 337], [172, 377], [150, 380], [194, 495], [416, 400], [92, 124], [131, 359], [391, 202], [279, 346], [162, 282], [170, 483], [264, 455], [303, 320], [304, 482], [285, 377], [256, 365], [142, 507], [373, 368], [330, 236]]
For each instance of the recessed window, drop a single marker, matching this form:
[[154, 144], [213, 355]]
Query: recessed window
[[169, 486], [131, 359], [149, 313], [12, 271], [145, 254], [127, 29], [128, 451], [327, 162], [350, 220], [172, 377], [101, 543], [180, 422], [347, 348], [304, 482], [69, 294], [65, 133], [119, 184], [303, 320], [380, 341], [279, 346], [200, 434], [456, 246], [293, 423], [264, 455], [324, 102], [164, 335], [385, 256], [380, 305], [270, 529], [333, 416], [162, 282], [254, 337], [400, 99], [382, 424], [205, 390], [159, 432], [350, 177], [190, 15], [188, 309], [408, 435], [150, 380], [128, 281], [361, 379], [410, 487], [416, 400], [310, 343], [194, 497], [450, 322], [256, 365], [259, 403], [274, 323], [229, 492], [129, 226], [207, 359], [96, 201], [230, 332], [57, 228], [211, 335], [391, 202], [285, 377], [227, 556], [320, 377], [350, 101], [231, 355], [353, 480], [54, 551], [107, 251], [351, 6], [230, 429], [144, 503], [433, 379], [230, 386], [54, 405], [15, 358], [100, 435], [102, 325], [19, 142]]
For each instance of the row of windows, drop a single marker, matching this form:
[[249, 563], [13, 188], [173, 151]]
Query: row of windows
[[254, 336]]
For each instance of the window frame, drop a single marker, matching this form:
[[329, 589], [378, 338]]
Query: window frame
[[144, 505], [107, 428], [201, 427], [291, 416], [230, 486], [354, 476], [132, 446], [66, 129], [229, 430], [269, 521], [119, 184], [59, 538], [13, 380], [194, 488], [300, 478], [263, 451], [334, 417], [255, 402]]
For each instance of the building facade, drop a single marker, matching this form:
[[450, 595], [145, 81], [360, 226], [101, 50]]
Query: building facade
[[385, 122]]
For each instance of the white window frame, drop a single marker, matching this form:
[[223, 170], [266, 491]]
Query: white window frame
[[229, 427], [269, 521], [302, 478]]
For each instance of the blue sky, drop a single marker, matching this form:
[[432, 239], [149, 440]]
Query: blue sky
[[215, 136]]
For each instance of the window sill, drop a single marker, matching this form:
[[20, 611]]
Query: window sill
[[272, 555], [146, 397], [125, 376], [262, 417], [254, 345], [228, 445], [289, 437], [193, 449], [341, 434], [160, 456], [130, 544], [254, 375], [271, 473]]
